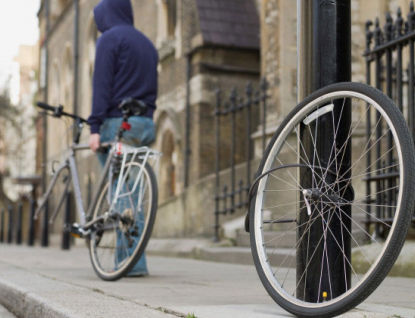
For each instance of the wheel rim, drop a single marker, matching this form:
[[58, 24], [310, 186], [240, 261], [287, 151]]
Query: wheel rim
[[113, 249], [271, 228]]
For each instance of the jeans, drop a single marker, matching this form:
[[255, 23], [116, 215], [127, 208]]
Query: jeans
[[142, 133]]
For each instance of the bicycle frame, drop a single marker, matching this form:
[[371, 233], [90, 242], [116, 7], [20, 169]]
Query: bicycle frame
[[132, 153]]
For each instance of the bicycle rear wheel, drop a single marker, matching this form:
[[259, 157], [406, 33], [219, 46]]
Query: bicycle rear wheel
[[118, 242], [305, 190]]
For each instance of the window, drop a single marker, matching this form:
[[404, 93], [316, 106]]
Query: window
[[167, 21], [168, 141], [168, 166], [171, 7]]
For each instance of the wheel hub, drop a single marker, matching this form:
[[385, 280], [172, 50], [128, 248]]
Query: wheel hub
[[126, 220], [313, 196]]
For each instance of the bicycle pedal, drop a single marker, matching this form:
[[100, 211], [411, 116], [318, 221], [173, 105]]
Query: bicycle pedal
[[74, 230]]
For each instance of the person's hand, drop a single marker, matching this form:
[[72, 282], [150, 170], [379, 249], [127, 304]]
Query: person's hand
[[94, 142]]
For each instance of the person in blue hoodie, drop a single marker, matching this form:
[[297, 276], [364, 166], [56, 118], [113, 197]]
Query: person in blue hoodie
[[125, 66]]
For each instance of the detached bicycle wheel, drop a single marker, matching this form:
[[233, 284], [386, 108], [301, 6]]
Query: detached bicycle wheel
[[333, 200], [118, 242]]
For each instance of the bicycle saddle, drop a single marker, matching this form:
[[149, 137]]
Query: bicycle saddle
[[133, 107]]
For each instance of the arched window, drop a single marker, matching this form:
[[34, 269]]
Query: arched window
[[167, 21], [168, 166], [169, 143], [171, 7]]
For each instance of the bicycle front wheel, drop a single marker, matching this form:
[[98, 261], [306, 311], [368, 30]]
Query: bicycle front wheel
[[119, 241], [333, 200]]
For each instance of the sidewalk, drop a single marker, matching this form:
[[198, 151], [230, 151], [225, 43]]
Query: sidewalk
[[4, 313], [49, 282]]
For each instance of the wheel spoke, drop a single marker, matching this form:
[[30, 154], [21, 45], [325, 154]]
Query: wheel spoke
[[123, 235], [321, 212]]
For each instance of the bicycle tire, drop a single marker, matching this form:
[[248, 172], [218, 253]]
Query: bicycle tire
[[113, 261], [286, 155]]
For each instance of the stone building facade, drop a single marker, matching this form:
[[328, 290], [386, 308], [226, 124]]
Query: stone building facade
[[202, 44]]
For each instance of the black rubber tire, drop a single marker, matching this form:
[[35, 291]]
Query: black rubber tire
[[140, 248], [381, 269]]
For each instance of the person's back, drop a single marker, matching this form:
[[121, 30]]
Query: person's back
[[125, 66]]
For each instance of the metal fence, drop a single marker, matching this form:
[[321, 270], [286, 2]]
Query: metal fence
[[12, 220], [390, 59], [233, 196], [19, 217]]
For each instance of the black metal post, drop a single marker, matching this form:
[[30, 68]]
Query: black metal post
[[45, 227], [10, 230], [240, 193], [19, 223], [331, 63], [399, 72], [378, 36], [2, 226], [31, 237], [217, 164], [264, 87], [225, 200], [249, 92], [66, 237], [233, 110], [369, 38], [411, 106], [389, 32], [411, 74], [45, 232]]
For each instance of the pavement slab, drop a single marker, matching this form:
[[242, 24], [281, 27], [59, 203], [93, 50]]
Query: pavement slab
[[49, 282], [4, 313]]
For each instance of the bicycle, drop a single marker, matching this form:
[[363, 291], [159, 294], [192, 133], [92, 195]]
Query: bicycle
[[303, 190], [120, 218]]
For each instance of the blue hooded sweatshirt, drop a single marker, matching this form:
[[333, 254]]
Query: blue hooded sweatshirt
[[125, 63]]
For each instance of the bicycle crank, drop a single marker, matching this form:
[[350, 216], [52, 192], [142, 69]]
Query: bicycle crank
[[76, 230]]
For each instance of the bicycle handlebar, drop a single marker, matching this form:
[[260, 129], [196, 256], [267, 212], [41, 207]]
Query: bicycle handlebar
[[58, 111], [45, 106]]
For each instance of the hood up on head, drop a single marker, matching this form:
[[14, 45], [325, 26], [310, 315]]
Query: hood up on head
[[109, 13]]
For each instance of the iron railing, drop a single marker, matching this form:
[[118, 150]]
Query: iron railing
[[233, 195], [13, 218], [390, 57]]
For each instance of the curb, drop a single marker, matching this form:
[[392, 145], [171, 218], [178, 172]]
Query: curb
[[23, 303]]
